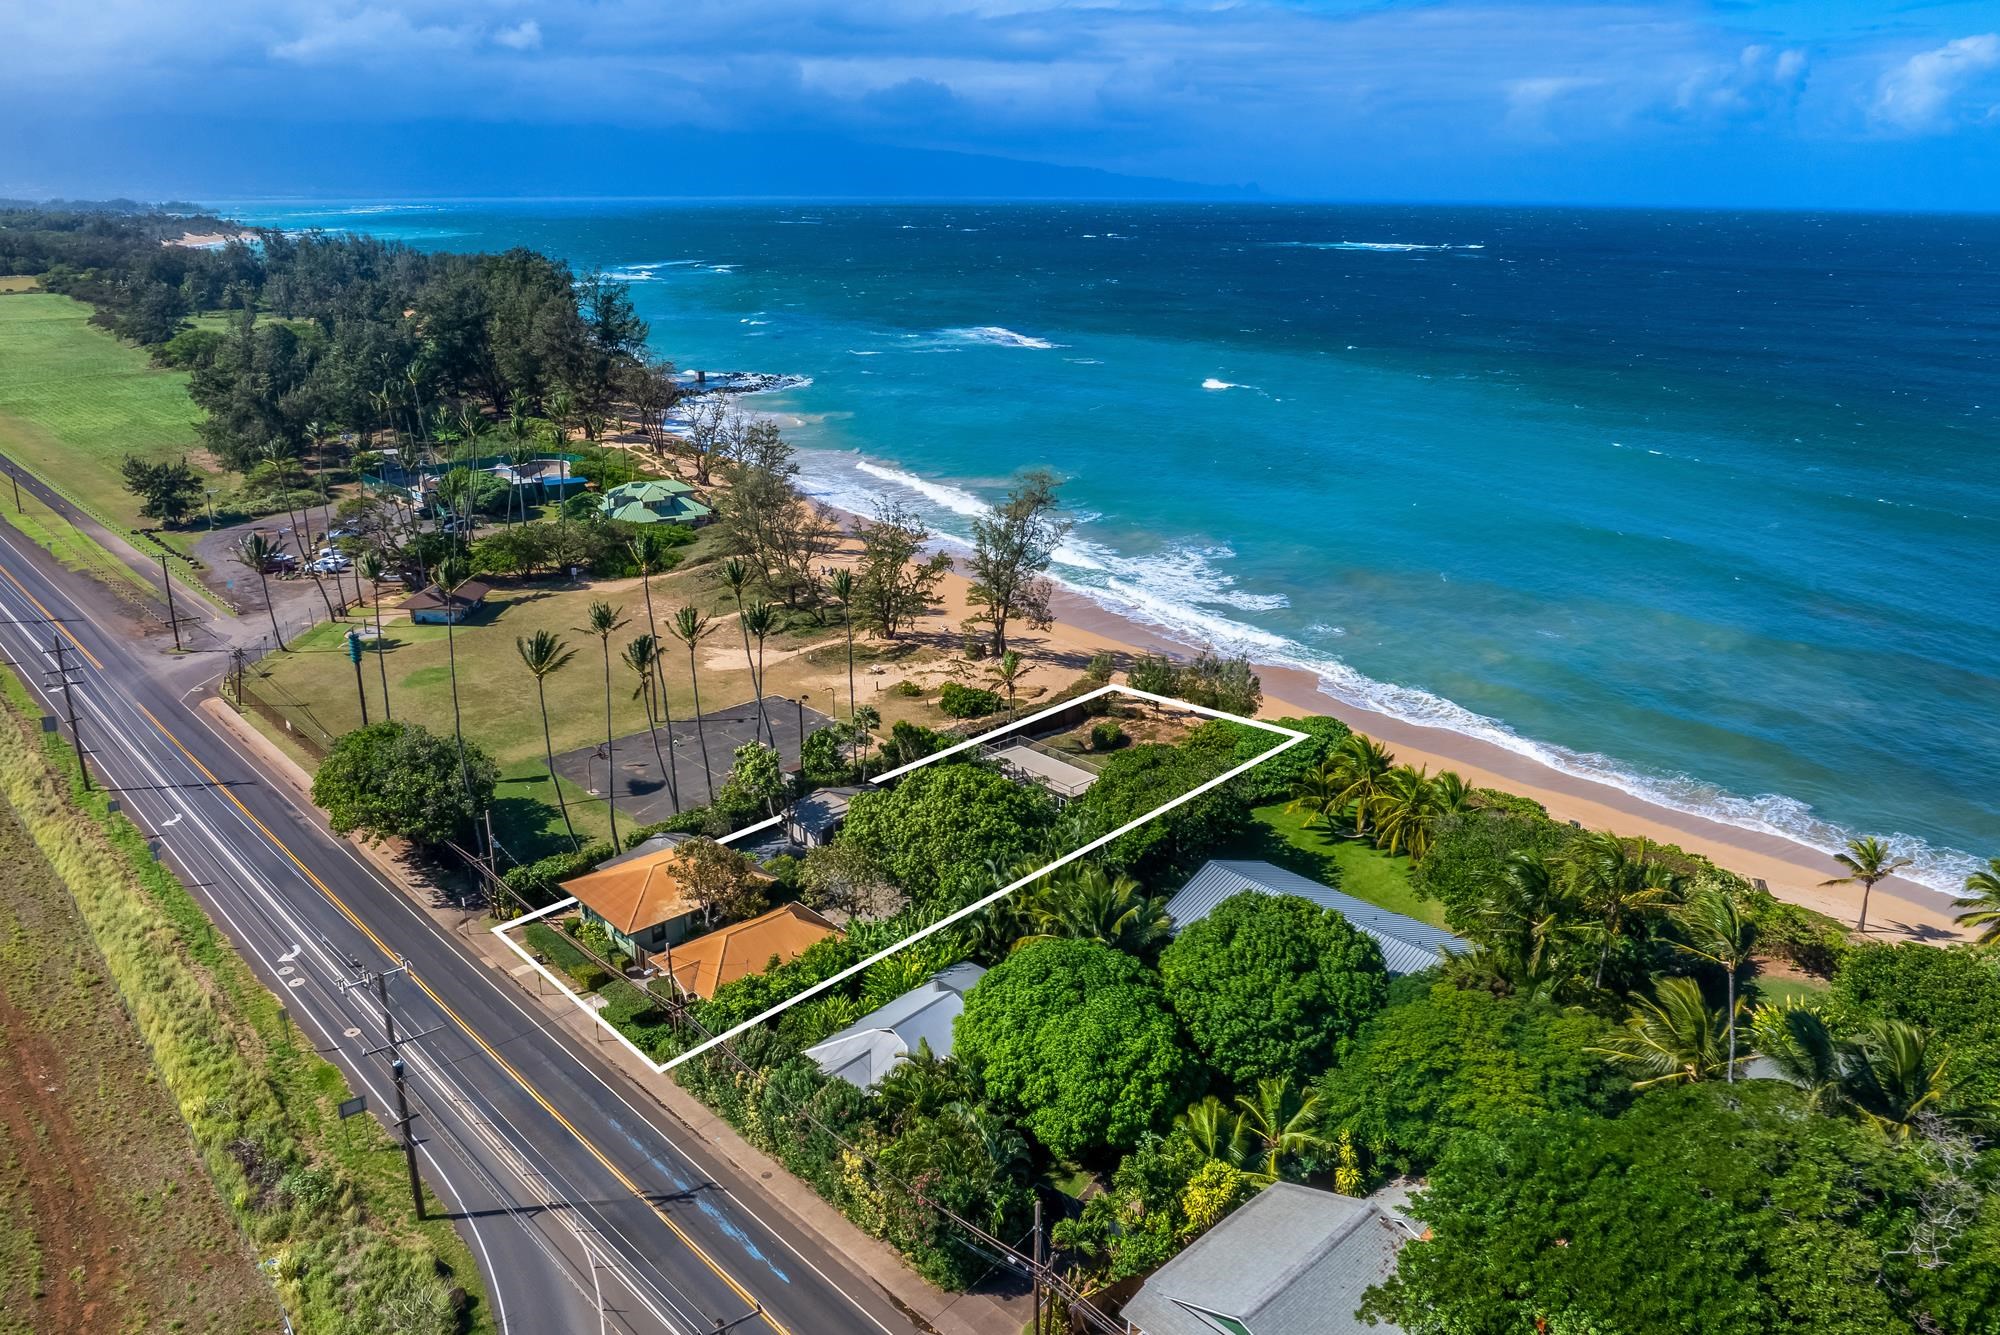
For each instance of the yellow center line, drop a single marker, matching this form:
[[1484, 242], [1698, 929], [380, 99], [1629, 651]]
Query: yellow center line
[[437, 1000], [51, 616]]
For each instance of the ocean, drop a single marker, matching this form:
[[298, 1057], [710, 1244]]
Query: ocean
[[1706, 505]]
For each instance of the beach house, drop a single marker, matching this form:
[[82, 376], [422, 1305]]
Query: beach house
[[654, 501], [883, 1039], [1292, 1261], [641, 898], [1408, 946], [708, 962]]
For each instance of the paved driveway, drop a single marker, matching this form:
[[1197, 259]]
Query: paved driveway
[[641, 789]]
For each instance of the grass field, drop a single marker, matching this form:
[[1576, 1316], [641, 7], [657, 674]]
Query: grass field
[[335, 1225], [1352, 865], [19, 282], [107, 1219], [74, 401]]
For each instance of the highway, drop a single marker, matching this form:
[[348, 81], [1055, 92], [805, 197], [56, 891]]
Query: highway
[[586, 1207]]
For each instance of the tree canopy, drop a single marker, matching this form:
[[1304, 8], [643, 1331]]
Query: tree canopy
[[942, 828], [401, 779], [1144, 778], [1451, 1062], [1272, 985], [1076, 1039]]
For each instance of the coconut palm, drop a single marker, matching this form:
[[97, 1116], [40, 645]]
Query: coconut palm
[[1410, 805], [544, 654], [1527, 921], [1673, 1037], [1982, 903], [1212, 1126], [840, 585], [1005, 673], [1718, 932], [604, 619], [645, 549], [372, 568], [1619, 882], [1363, 765], [1794, 1037], [1867, 860], [1277, 1124], [642, 655], [257, 552], [736, 574], [923, 1085], [451, 572], [1896, 1075], [1094, 905], [691, 626], [758, 621]]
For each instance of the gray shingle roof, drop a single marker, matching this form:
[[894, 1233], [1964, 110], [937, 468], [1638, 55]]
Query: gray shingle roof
[[870, 1048], [1408, 946], [1293, 1261]]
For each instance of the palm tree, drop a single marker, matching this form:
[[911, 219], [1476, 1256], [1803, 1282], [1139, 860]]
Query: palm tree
[[1617, 884], [451, 572], [1867, 860], [544, 655], [642, 655], [737, 576], [1719, 933], [1673, 1037], [1278, 1124], [691, 626], [1411, 804], [1213, 1127], [1006, 674], [759, 620], [1526, 918], [604, 619], [1896, 1075], [1363, 765], [257, 552], [1795, 1037], [923, 1085], [1094, 905], [840, 584], [1318, 791], [1982, 902], [372, 568], [645, 549]]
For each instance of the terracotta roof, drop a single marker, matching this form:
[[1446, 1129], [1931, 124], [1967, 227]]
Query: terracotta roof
[[635, 894], [707, 962], [468, 594]]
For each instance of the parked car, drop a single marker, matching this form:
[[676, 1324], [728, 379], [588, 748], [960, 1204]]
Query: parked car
[[332, 565]]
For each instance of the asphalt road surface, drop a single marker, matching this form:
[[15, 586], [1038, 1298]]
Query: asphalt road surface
[[586, 1207], [642, 791]]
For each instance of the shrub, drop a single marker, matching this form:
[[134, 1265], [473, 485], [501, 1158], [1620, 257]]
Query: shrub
[[536, 883], [1141, 779], [966, 701], [395, 778], [909, 690], [1272, 985], [1100, 667], [936, 832], [1106, 736], [1155, 673]]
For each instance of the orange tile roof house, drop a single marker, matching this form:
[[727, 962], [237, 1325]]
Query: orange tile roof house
[[641, 901], [707, 962]]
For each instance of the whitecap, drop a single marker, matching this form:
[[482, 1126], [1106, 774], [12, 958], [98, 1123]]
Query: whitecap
[[863, 352], [999, 336]]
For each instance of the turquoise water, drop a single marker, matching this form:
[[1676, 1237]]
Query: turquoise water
[[1703, 504]]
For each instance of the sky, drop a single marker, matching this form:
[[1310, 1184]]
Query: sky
[[1755, 103]]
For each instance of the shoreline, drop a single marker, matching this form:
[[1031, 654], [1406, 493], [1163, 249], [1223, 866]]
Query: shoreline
[[1899, 909]]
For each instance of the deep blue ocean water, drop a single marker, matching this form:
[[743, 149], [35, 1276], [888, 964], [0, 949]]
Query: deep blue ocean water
[[1707, 504]]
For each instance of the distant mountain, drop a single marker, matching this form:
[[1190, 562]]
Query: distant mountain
[[446, 159]]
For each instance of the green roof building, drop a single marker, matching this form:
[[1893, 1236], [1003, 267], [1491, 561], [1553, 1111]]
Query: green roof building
[[654, 501]]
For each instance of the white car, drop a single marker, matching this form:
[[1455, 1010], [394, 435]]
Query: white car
[[332, 565]]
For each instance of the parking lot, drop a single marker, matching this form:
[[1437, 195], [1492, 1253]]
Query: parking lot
[[641, 790]]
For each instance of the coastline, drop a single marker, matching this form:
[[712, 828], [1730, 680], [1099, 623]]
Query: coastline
[[1899, 910]]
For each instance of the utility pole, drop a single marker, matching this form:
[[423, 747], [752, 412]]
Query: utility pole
[[393, 1048], [167, 583], [57, 648], [15, 478], [236, 673], [1035, 1253]]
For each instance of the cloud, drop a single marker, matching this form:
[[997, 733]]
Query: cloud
[[368, 37], [523, 36], [1927, 93]]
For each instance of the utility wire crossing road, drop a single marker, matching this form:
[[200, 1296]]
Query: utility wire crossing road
[[580, 1206]]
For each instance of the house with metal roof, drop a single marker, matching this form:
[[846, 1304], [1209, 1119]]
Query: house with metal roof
[[1291, 1261], [654, 501], [1408, 946], [815, 818], [883, 1039]]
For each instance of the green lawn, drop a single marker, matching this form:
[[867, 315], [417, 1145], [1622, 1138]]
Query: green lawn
[[74, 401], [1356, 867]]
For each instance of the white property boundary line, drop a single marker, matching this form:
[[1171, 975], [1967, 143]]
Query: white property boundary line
[[1292, 738]]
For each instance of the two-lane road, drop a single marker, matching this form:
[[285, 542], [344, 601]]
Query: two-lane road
[[585, 1206]]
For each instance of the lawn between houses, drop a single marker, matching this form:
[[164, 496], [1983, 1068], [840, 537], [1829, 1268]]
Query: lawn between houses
[[74, 401]]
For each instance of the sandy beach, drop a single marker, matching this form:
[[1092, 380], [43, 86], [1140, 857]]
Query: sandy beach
[[1898, 909]]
